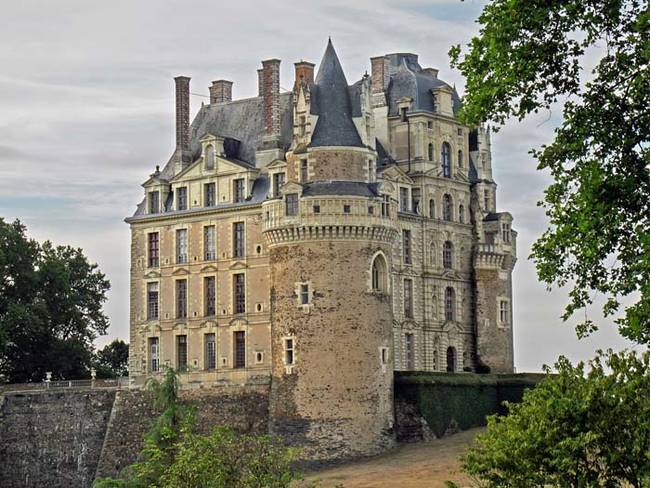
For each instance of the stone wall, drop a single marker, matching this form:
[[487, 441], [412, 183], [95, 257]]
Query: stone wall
[[67, 438]]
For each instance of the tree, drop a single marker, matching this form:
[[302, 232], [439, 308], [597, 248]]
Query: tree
[[529, 55], [113, 360], [176, 456], [575, 429], [51, 302]]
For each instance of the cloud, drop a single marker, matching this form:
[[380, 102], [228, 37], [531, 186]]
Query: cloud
[[87, 112]]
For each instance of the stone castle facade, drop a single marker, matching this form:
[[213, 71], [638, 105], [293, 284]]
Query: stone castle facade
[[319, 240]]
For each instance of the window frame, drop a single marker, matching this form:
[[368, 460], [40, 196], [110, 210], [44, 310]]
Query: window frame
[[181, 198], [239, 293], [445, 156], [209, 194], [238, 240], [180, 296]]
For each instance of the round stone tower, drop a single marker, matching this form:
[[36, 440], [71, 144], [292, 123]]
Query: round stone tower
[[329, 241]]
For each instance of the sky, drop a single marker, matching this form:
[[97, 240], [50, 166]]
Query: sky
[[87, 112]]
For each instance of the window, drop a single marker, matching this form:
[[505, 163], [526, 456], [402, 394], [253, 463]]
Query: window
[[429, 125], [210, 195], [486, 200], [239, 349], [304, 170], [505, 233], [446, 160], [403, 199], [238, 239], [154, 202], [379, 274], [408, 351], [181, 299], [210, 351], [304, 294], [289, 356], [385, 205], [291, 204], [384, 355], [406, 246], [461, 214], [181, 246], [181, 352], [316, 209], [154, 355], [430, 152], [432, 209], [278, 181], [370, 175], [346, 209], [447, 255], [371, 210], [209, 243], [152, 301], [447, 208], [238, 190], [450, 303], [460, 158], [504, 312], [408, 298], [415, 200], [451, 360], [154, 247], [239, 292], [181, 198], [210, 295], [209, 157]]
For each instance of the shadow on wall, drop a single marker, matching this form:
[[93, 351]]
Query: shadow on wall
[[452, 402]]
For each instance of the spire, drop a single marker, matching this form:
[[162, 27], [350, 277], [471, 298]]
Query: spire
[[335, 126]]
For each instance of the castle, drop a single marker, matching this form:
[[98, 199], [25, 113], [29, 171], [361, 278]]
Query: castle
[[319, 240]]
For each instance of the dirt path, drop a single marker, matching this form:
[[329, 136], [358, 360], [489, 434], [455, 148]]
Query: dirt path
[[421, 465]]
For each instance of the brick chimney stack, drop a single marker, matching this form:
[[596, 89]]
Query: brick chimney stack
[[379, 74], [182, 114], [271, 96], [221, 91], [304, 73], [260, 82]]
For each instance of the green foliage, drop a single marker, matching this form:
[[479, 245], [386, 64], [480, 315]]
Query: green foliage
[[578, 428], [113, 360], [462, 400], [530, 54], [175, 456], [51, 302]]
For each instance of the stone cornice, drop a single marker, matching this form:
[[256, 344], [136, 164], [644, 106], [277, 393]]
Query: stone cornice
[[298, 233]]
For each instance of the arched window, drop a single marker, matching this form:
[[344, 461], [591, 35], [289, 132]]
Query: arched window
[[461, 214], [446, 160], [447, 255], [430, 152], [460, 158], [432, 209], [209, 157], [450, 303], [451, 359], [447, 208], [379, 274]]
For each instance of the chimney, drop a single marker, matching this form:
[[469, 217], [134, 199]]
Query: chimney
[[182, 113], [221, 91], [304, 73], [431, 71], [379, 74], [260, 82], [271, 96]]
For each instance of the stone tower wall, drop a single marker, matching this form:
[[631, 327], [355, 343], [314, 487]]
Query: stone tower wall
[[338, 401]]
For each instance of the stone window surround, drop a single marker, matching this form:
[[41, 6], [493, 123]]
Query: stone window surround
[[306, 307], [387, 278], [500, 323]]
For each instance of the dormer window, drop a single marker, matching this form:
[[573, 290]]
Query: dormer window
[[181, 198], [209, 157], [154, 202], [238, 190], [505, 233], [403, 199], [278, 181], [291, 204]]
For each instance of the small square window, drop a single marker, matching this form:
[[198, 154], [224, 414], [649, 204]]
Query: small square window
[[371, 210], [346, 209], [316, 209]]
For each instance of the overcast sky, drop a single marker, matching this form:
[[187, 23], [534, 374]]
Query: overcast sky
[[86, 112]]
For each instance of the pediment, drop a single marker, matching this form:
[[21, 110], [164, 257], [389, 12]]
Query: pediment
[[208, 137], [209, 323], [192, 171], [238, 265], [210, 268], [451, 327], [238, 322], [180, 272], [277, 163], [291, 187], [152, 275], [386, 187], [394, 173]]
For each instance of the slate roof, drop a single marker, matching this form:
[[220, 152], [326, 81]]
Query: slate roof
[[330, 96], [351, 188], [407, 79]]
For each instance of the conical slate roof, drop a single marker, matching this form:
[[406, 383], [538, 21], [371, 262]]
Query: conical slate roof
[[335, 126]]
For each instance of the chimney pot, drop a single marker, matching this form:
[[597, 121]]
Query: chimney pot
[[304, 73], [221, 91]]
